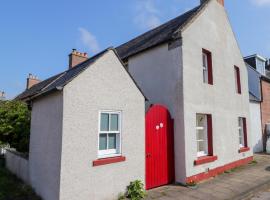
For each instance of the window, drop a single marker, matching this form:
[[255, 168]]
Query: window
[[237, 79], [207, 67], [242, 132], [109, 134], [204, 135], [260, 66]]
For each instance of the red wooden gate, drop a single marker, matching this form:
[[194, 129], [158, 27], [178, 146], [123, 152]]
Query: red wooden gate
[[159, 147]]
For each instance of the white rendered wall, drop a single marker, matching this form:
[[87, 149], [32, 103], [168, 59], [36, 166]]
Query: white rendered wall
[[45, 145], [158, 72], [256, 126], [212, 31], [103, 86]]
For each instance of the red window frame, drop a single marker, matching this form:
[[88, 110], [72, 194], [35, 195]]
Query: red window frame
[[209, 65], [238, 79], [210, 157]]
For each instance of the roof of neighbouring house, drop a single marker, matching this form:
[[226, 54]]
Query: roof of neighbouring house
[[164, 33], [58, 81]]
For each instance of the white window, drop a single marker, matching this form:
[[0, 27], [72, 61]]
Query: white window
[[109, 134], [241, 132], [205, 67], [201, 137], [260, 66]]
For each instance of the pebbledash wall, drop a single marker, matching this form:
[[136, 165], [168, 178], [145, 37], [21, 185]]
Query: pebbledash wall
[[173, 77], [46, 145], [64, 135], [265, 108], [106, 86]]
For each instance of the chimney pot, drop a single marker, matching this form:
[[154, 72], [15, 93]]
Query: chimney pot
[[76, 57], [219, 1]]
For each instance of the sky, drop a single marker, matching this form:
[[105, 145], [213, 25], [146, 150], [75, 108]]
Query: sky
[[37, 36]]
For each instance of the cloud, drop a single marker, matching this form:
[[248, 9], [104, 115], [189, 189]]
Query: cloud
[[261, 2], [146, 14], [89, 40]]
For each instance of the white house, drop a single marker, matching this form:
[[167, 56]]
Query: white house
[[193, 65], [87, 131]]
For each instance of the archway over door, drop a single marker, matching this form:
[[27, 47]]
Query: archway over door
[[159, 147]]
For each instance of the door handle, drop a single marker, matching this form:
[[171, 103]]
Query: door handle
[[148, 155]]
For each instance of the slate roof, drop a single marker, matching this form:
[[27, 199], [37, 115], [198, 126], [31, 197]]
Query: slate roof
[[164, 33], [59, 80]]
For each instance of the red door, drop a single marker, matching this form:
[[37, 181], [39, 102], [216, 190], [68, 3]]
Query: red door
[[159, 147]]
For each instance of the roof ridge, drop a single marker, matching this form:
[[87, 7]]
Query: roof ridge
[[198, 9], [165, 23]]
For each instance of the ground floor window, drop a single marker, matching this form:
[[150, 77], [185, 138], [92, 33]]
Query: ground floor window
[[242, 132], [109, 133], [204, 135]]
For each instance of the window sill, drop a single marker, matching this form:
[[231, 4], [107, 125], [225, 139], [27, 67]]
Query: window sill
[[106, 161], [205, 159], [243, 149]]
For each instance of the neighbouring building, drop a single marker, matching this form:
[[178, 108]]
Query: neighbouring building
[[255, 100], [192, 65], [87, 130], [259, 86], [2, 95]]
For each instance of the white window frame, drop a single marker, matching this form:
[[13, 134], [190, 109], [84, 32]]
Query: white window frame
[[110, 152], [205, 129], [260, 68], [241, 135], [205, 67]]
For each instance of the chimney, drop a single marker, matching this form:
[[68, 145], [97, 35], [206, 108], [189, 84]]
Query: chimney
[[31, 81], [219, 1], [2, 96], [76, 58]]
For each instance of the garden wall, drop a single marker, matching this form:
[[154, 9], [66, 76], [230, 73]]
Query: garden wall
[[17, 163]]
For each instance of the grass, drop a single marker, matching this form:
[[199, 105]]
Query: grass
[[253, 162], [11, 188]]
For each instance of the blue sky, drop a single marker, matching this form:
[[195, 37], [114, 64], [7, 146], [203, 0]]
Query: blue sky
[[37, 36]]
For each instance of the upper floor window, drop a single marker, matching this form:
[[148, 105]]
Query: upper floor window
[[260, 66], [207, 67], [237, 79], [109, 134]]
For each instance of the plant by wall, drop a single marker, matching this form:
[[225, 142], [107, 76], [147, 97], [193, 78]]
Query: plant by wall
[[15, 125], [135, 191]]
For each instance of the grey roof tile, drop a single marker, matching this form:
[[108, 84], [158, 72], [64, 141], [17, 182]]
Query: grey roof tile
[[159, 35]]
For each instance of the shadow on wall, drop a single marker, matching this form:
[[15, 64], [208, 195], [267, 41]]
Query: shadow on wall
[[258, 148]]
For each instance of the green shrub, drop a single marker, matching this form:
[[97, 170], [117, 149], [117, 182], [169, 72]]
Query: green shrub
[[15, 125], [135, 191]]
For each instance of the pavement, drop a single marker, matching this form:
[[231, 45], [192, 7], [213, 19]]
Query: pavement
[[248, 182], [264, 195]]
